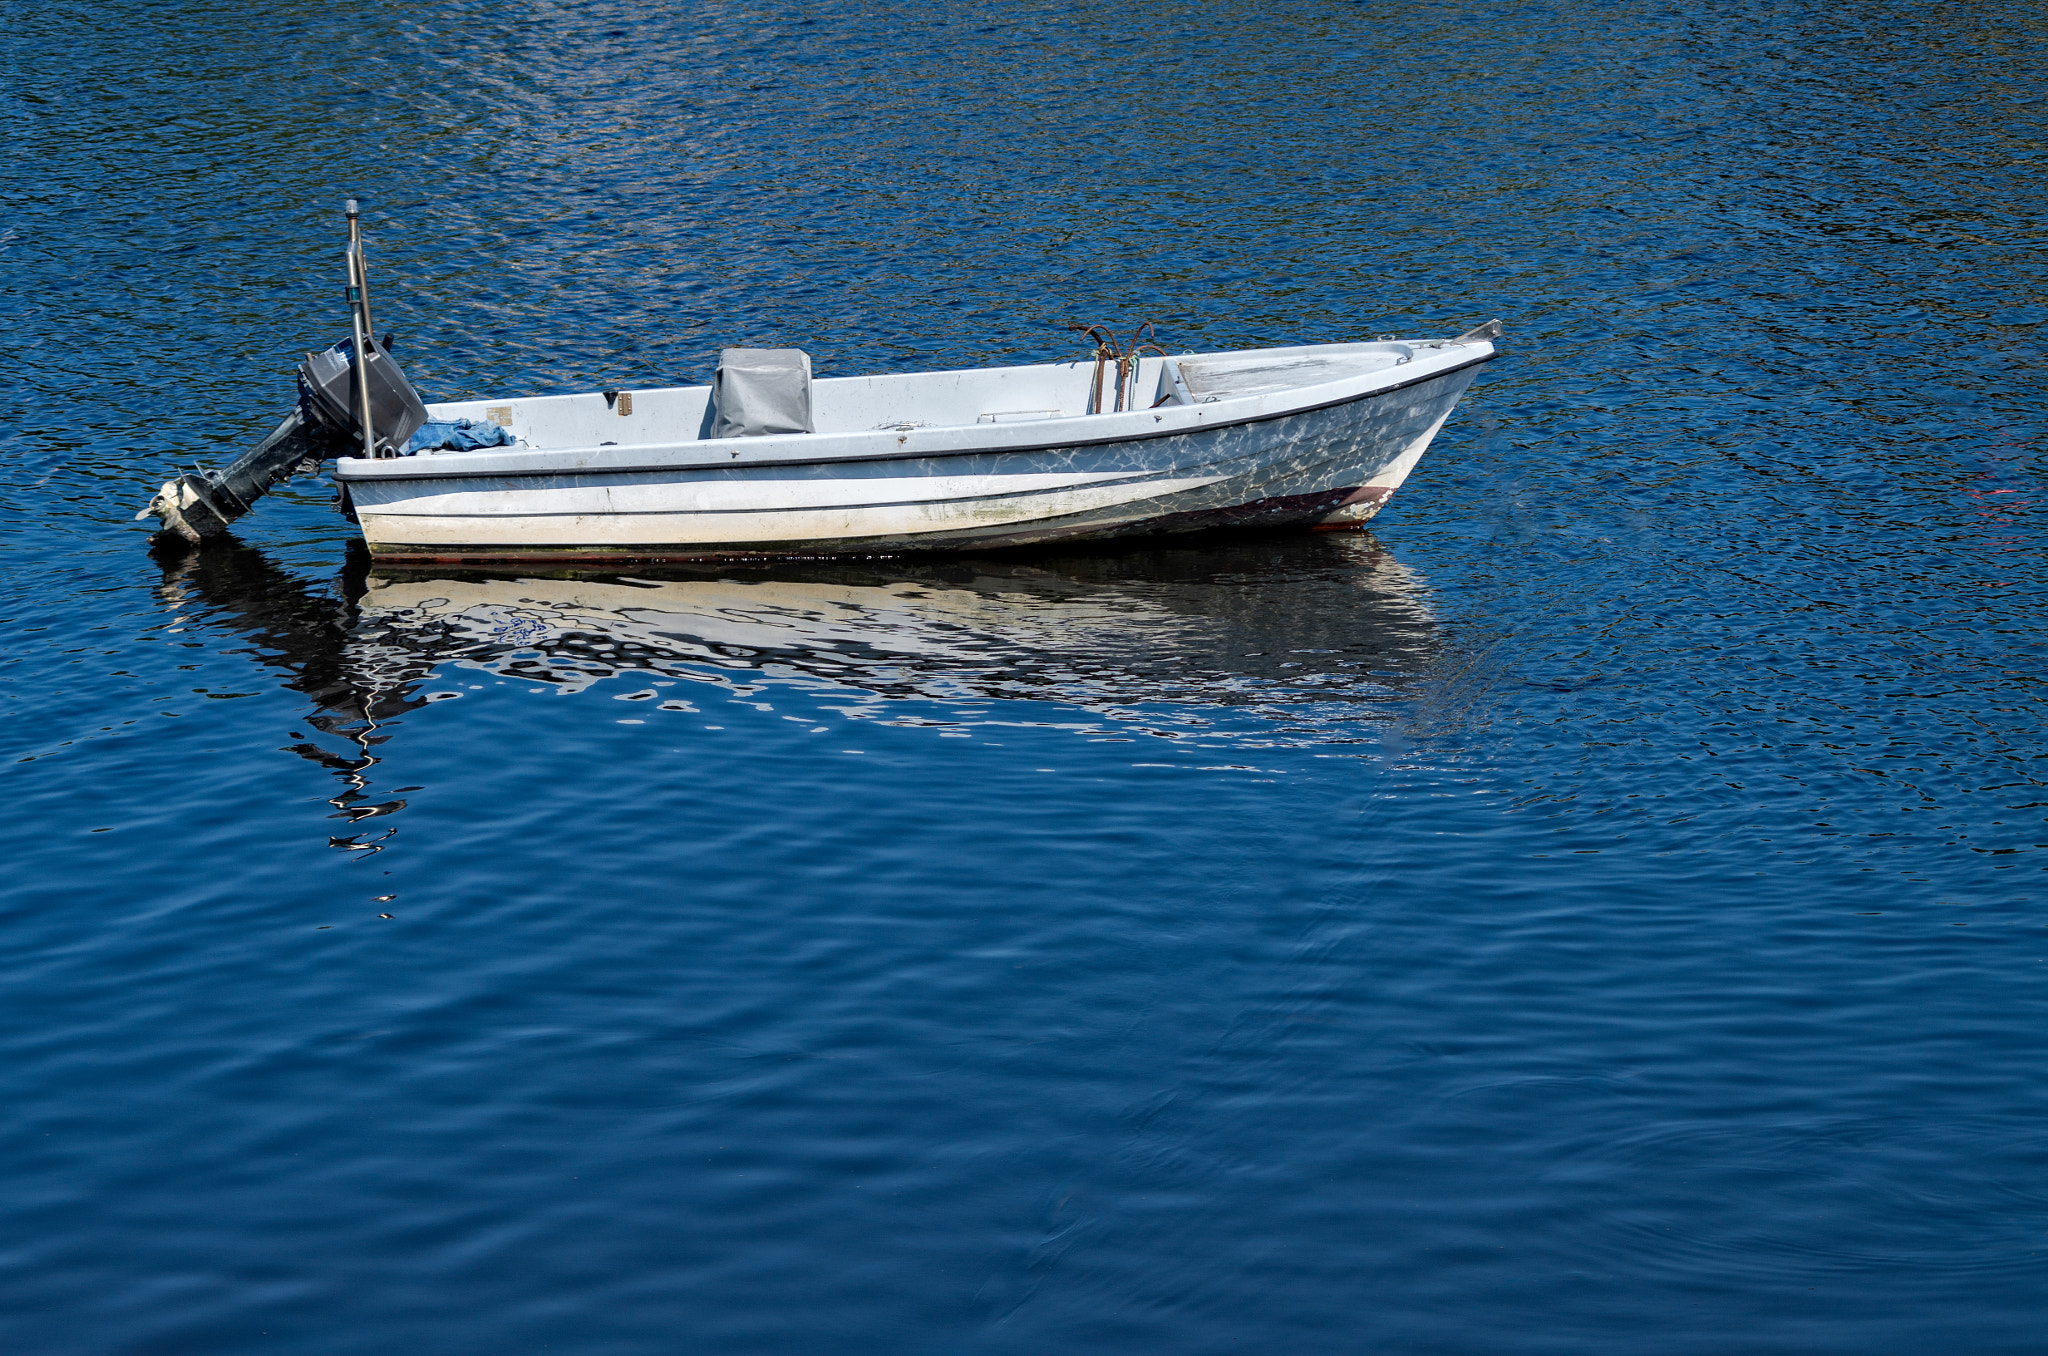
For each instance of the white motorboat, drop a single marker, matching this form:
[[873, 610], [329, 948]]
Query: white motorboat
[[767, 462], [1318, 436]]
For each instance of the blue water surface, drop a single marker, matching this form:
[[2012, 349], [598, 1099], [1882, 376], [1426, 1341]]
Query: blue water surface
[[1600, 910]]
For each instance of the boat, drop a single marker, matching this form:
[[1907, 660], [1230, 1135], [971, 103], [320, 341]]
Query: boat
[[1318, 436], [768, 462]]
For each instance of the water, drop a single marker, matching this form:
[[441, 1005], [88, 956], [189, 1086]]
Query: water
[[1600, 910]]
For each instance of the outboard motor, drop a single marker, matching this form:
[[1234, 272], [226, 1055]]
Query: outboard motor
[[353, 401]]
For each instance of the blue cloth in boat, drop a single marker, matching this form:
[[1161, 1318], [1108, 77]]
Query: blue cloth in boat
[[457, 435]]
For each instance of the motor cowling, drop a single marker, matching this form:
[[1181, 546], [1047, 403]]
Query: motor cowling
[[327, 397]]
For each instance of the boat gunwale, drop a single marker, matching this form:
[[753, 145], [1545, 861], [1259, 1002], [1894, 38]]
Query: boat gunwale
[[362, 470]]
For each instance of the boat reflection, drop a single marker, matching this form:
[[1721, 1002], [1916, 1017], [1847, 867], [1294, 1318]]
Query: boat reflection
[[1309, 638]]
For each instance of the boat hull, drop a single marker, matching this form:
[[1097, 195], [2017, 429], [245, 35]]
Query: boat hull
[[1331, 467]]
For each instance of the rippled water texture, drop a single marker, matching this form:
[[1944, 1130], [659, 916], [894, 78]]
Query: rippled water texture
[[1599, 911]]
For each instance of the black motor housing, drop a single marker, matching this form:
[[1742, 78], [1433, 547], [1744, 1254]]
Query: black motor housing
[[327, 394]]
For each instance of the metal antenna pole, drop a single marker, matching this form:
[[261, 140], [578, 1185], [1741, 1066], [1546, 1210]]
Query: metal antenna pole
[[355, 240], [359, 320]]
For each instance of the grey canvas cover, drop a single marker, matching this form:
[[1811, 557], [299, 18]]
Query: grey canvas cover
[[759, 391]]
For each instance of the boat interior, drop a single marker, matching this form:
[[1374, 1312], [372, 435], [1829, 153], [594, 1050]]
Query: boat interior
[[999, 395]]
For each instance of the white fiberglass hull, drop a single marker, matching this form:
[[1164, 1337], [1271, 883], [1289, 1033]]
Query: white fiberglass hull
[[1320, 452]]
